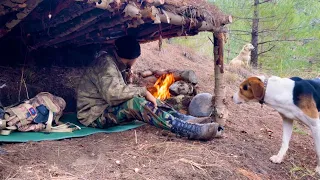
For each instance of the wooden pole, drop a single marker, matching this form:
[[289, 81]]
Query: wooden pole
[[219, 101]]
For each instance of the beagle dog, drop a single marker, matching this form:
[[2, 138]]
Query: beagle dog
[[294, 98]]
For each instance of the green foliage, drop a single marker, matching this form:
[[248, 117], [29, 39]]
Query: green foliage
[[200, 43], [289, 35]]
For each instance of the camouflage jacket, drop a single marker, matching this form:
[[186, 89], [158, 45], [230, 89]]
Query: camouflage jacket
[[101, 86]]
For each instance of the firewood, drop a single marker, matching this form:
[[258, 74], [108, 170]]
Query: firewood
[[147, 73]]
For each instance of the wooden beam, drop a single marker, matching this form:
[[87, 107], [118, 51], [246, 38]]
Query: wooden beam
[[219, 100], [95, 36], [8, 6], [41, 22], [67, 28], [104, 24], [31, 4], [63, 4]]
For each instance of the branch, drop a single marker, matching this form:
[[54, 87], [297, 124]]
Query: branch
[[267, 50], [278, 40], [265, 1], [272, 30], [241, 31], [250, 18]]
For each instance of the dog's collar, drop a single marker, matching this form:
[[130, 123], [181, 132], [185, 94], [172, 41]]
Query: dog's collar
[[265, 83]]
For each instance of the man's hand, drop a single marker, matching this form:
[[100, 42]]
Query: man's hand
[[151, 98]]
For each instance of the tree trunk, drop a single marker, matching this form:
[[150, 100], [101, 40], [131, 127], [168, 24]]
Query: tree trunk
[[255, 35], [219, 100]]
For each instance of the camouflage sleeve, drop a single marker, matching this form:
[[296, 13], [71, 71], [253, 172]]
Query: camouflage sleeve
[[113, 88]]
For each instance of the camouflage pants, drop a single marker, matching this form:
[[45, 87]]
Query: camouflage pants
[[139, 109]]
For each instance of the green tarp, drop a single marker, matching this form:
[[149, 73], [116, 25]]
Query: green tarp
[[85, 131]]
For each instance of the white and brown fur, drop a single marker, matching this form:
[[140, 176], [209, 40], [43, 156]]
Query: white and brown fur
[[294, 98], [244, 57]]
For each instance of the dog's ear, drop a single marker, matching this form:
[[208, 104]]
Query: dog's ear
[[245, 47], [257, 88]]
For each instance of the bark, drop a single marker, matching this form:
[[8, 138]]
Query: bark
[[255, 35], [219, 101]]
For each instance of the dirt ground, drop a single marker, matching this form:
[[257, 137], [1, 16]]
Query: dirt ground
[[243, 152]]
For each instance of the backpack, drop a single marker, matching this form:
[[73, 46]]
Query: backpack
[[41, 113]]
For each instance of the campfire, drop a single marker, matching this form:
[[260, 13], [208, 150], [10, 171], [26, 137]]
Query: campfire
[[176, 87], [161, 87]]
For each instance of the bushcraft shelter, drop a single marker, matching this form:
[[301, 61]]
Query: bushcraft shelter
[[67, 32], [51, 27]]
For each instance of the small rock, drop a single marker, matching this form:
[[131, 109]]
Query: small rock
[[117, 162]]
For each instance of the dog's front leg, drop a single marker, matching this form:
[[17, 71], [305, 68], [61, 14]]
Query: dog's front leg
[[287, 131], [316, 137]]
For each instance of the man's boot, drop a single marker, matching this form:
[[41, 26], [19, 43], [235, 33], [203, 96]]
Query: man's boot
[[196, 131], [201, 120]]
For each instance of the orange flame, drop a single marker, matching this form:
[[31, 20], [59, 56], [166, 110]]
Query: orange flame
[[162, 86]]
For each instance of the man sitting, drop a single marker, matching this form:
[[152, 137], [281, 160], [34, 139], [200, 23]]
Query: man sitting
[[105, 98]]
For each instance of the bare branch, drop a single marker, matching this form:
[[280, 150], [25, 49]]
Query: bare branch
[[267, 50], [285, 40], [250, 18], [265, 1], [240, 31]]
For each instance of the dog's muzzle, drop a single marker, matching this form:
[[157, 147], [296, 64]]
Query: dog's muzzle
[[236, 99]]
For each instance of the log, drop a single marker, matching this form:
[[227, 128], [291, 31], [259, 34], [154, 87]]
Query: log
[[131, 10], [82, 31], [65, 28], [78, 11], [8, 6], [99, 36], [205, 26], [83, 19], [148, 81], [85, 23], [108, 4], [149, 77], [62, 5], [66, 15], [219, 100], [155, 2], [31, 4], [145, 74], [170, 18], [185, 75], [75, 28]]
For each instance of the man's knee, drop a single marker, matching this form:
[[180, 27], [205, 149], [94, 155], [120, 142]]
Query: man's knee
[[136, 102]]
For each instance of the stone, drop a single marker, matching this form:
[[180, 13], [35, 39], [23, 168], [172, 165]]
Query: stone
[[189, 76], [201, 105], [181, 88]]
